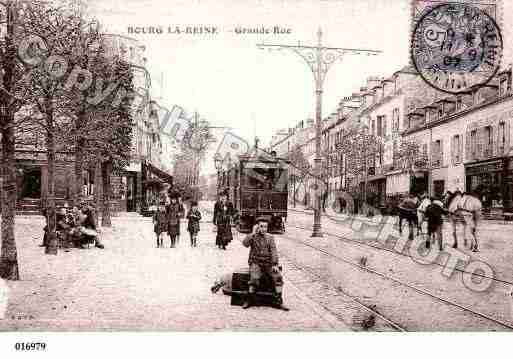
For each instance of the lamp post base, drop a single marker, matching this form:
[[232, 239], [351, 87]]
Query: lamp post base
[[317, 233]]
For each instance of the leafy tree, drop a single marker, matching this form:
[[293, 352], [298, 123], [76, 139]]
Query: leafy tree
[[300, 170], [361, 149], [410, 156]]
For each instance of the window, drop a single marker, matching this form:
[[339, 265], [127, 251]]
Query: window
[[502, 137], [373, 127], [473, 143], [503, 86], [437, 153], [488, 137], [395, 120], [381, 126], [457, 149], [459, 102]]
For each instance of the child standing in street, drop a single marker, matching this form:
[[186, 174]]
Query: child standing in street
[[193, 226], [160, 223]]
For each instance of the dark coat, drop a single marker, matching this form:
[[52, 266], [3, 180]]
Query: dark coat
[[222, 219], [434, 213], [194, 217], [160, 221], [173, 214], [262, 249]]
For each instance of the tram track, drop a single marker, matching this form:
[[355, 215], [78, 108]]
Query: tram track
[[402, 283], [361, 243], [370, 308]]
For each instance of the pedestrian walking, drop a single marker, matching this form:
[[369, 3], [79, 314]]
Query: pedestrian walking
[[193, 224], [160, 223], [223, 214], [173, 219], [433, 213], [181, 210]]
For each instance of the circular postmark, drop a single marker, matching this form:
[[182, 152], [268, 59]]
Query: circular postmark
[[456, 47]]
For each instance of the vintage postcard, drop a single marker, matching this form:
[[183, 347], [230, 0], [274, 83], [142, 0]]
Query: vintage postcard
[[256, 165]]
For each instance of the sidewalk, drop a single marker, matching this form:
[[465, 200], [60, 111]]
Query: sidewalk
[[132, 285]]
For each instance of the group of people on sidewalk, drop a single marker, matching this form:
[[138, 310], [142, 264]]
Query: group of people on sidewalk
[[74, 227], [167, 218]]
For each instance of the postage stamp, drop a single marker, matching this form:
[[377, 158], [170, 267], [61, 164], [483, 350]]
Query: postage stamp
[[456, 47]]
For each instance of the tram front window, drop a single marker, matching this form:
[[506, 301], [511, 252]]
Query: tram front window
[[265, 178]]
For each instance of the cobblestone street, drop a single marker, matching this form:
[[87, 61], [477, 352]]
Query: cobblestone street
[[132, 285]]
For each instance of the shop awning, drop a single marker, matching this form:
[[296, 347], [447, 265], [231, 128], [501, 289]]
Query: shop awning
[[165, 177]]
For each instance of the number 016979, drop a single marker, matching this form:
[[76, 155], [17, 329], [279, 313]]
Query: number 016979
[[30, 346]]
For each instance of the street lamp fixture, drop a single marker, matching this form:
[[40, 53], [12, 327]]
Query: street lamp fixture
[[218, 162], [319, 59]]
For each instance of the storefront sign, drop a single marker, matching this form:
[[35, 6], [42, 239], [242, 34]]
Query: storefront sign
[[479, 168], [399, 183]]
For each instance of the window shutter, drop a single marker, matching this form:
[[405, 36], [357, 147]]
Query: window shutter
[[477, 146], [468, 147], [453, 144], [460, 149], [496, 140], [384, 126], [433, 153], [507, 135], [441, 154], [480, 142]]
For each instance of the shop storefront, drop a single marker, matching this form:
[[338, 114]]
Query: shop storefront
[[154, 180], [492, 180]]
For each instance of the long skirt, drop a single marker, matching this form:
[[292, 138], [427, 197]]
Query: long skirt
[[224, 234], [173, 229]]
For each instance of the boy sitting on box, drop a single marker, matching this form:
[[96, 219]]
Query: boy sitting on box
[[263, 259]]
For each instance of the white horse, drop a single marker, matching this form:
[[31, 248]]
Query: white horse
[[465, 208], [421, 213]]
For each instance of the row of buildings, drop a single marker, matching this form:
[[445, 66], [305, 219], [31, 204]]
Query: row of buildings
[[135, 187], [466, 139]]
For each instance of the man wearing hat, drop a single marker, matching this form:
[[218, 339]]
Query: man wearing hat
[[263, 259]]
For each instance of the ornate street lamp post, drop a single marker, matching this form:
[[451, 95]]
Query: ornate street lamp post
[[319, 59], [218, 162]]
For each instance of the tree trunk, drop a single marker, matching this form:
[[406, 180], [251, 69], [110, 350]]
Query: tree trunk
[[9, 255], [79, 165], [106, 170], [79, 154], [52, 245], [98, 186]]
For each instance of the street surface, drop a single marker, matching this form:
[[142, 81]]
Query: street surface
[[338, 282], [132, 285]]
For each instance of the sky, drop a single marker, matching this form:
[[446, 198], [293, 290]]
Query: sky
[[233, 83]]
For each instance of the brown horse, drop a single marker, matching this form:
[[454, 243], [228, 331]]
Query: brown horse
[[465, 208]]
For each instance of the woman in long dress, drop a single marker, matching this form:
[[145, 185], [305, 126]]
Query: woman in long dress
[[173, 215], [222, 217]]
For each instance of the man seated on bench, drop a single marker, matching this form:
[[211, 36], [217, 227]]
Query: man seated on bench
[[263, 260]]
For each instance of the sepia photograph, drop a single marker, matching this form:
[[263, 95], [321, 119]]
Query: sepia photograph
[[285, 167]]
